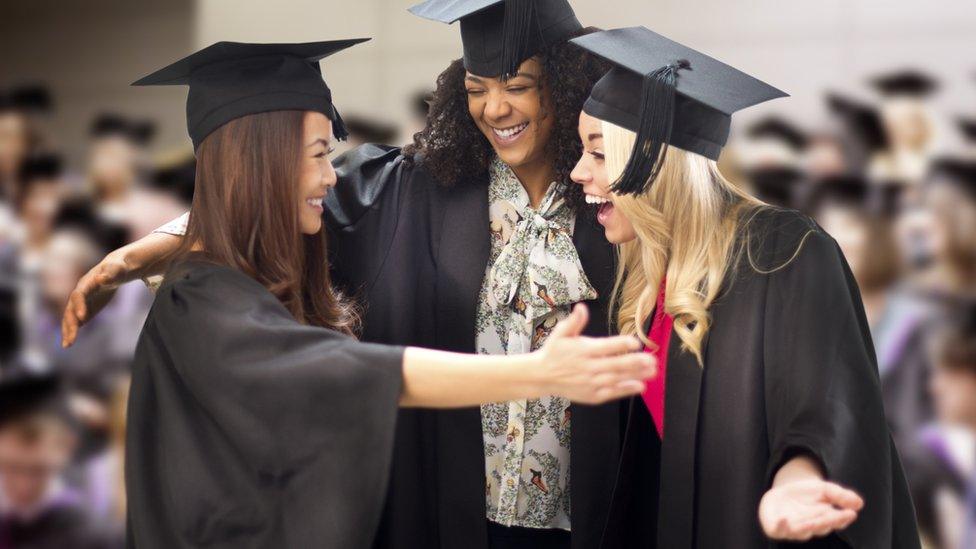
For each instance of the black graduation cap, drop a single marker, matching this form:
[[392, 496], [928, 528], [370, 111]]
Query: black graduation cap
[[669, 94], [177, 179], [968, 128], [498, 35], [780, 129], [369, 130], [905, 83], [40, 166], [112, 124], [24, 395], [79, 213], [862, 121], [35, 98], [779, 185], [960, 172], [229, 80], [855, 191]]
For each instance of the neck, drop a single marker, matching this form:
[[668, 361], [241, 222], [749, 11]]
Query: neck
[[535, 178]]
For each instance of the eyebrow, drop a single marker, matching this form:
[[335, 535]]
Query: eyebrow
[[479, 80], [324, 142]]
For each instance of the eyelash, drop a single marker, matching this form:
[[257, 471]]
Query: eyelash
[[326, 153], [597, 155]]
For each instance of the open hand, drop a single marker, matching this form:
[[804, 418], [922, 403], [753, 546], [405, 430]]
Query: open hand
[[91, 294], [593, 370], [804, 509]]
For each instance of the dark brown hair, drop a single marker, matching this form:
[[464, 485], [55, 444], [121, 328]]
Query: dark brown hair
[[452, 147], [245, 216]]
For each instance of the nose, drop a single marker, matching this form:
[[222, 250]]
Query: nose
[[580, 173], [329, 177], [497, 106]]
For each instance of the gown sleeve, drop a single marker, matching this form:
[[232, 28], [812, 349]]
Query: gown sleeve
[[307, 413], [822, 390], [362, 213]]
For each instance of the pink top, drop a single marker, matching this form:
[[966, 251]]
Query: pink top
[[660, 334]]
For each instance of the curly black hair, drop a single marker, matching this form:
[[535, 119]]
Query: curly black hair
[[452, 146]]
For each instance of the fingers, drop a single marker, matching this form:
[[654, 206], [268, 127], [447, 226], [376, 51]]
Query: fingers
[[609, 346], [573, 324], [620, 390], [630, 365], [841, 497], [830, 521], [75, 314]]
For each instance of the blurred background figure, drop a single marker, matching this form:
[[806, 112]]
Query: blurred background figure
[[878, 144], [37, 441]]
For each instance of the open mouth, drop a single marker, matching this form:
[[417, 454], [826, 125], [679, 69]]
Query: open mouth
[[605, 206], [315, 202], [507, 135]]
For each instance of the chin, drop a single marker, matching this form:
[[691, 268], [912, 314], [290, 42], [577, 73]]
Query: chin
[[309, 230]]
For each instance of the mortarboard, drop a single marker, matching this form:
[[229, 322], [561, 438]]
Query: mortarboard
[[24, 395], [228, 80], [32, 98], [905, 83], [779, 129], [777, 185], [968, 128], [111, 124], [370, 131], [498, 35], [40, 166], [960, 172], [669, 94], [863, 121]]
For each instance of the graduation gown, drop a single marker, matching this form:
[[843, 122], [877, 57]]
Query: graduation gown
[[415, 252], [247, 429], [789, 368], [60, 527]]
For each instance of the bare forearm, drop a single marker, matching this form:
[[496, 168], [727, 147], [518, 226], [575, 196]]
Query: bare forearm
[[437, 379], [147, 256]]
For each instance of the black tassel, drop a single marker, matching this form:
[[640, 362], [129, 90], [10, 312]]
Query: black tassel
[[654, 131], [338, 126], [515, 34]]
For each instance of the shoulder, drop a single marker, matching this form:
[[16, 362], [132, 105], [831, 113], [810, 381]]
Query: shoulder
[[774, 238], [201, 283]]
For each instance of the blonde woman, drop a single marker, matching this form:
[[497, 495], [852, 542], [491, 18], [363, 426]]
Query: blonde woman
[[765, 424]]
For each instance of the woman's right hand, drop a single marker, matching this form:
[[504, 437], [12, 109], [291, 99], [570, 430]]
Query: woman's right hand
[[593, 370]]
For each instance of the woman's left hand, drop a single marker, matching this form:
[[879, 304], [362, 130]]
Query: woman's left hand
[[807, 508]]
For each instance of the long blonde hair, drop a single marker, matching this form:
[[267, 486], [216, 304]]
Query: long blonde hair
[[687, 227]]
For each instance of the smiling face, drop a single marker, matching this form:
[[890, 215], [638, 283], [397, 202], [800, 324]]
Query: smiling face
[[317, 175], [513, 114], [591, 173]]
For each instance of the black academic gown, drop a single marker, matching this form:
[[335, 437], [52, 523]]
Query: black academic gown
[[416, 252], [60, 527], [789, 368], [247, 429]]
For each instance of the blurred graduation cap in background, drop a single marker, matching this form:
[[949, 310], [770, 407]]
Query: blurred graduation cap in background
[[779, 129], [783, 186], [367, 130], [31, 99], [498, 35], [967, 126], [41, 166], [959, 172], [668, 94], [856, 192], [910, 83], [139, 132], [79, 213], [24, 395], [177, 178]]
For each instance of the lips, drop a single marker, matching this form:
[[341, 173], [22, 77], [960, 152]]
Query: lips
[[509, 134]]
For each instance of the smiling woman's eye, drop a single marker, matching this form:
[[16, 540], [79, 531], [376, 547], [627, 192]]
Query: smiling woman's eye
[[474, 91], [597, 154], [516, 89]]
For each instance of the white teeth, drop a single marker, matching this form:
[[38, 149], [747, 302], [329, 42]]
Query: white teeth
[[313, 201], [509, 132], [593, 199]]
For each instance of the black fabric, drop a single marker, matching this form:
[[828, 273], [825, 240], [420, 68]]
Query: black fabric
[[514, 537], [229, 80], [247, 429], [494, 41], [416, 252], [905, 83], [789, 367], [708, 91]]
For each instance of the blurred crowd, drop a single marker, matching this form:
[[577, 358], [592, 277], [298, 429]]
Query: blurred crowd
[[872, 173]]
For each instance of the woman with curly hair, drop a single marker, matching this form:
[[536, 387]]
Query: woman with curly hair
[[472, 239]]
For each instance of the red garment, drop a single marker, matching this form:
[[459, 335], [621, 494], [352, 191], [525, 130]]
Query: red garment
[[660, 334]]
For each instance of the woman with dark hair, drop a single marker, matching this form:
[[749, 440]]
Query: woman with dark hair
[[765, 426], [254, 419], [471, 239]]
